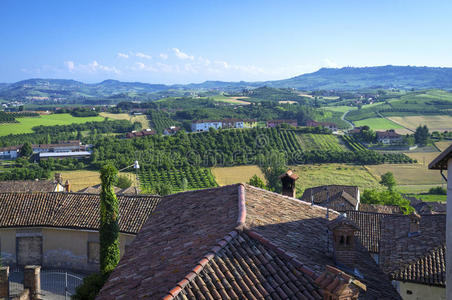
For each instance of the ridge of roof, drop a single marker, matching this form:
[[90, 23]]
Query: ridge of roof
[[292, 199], [199, 266]]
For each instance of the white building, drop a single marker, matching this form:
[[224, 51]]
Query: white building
[[11, 152], [204, 125]]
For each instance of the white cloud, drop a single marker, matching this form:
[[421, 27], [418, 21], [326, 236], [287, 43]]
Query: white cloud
[[182, 55], [122, 55], [70, 65], [90, 68], [142, 55], [163, 56]]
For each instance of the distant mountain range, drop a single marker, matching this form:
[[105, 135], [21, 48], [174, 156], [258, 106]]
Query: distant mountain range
[[348, 78]]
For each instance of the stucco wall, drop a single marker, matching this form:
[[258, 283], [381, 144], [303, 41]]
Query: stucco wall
[[61, 248], [414, 291]]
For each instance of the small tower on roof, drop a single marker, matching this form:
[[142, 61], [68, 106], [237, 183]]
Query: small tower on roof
[[288, 183], [344, 240]]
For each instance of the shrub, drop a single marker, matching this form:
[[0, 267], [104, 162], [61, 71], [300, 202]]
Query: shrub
[[123, 182], [90, 287], [438, 191]]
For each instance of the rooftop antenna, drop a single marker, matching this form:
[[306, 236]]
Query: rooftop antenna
[[312, 198]]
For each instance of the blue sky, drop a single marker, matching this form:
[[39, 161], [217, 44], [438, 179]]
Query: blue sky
[[192, 41]]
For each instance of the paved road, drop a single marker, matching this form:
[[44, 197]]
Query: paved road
[[349, 123]]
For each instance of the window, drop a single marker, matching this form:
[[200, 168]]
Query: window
[[409, 292], [93, 252], [347, 241], [342, 240]]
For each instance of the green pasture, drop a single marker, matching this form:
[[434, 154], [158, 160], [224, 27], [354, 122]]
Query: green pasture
[[378, 124], [342, 108], [25, 125]]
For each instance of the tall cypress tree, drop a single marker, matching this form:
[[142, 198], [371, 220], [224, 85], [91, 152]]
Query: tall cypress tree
[[109, 227]]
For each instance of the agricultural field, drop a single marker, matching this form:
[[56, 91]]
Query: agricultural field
[[329, 142], [378, 124], [342, 108], [231, 100], [324, 174], [434, 123], [443, 145], [25, 125], [160, 121], [231, 175], [413, 178], [197, 178], [143, 119], [430, 197], [353, 144], [81, 179]]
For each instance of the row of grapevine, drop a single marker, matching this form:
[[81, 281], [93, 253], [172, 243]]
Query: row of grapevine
[[185, 177], [160, 121], [353, 144]]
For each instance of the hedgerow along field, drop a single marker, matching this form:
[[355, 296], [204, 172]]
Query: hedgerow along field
[[329, 142], [25, 125], [434, 123]]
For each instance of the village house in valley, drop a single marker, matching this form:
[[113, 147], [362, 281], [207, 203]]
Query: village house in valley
[[204, 125], [337, 197], [60, 230], [328, 125], [388, 137], [274, 123]]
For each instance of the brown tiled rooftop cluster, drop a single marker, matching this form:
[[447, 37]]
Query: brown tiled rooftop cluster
[[379, 208], [398, 248], [370, 228], [23, 186], [71, 210], [341, 197], [96, 189], [234, 241], [429, 269], [246, 269]]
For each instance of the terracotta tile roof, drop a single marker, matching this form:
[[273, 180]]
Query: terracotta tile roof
[[96, 189], [398, 248], [21, 186], [181, 248], [388, 134], [440, 162], [246, 268], [369, 228], [428, 269], [342, 197], [71, 210], [378, 208]]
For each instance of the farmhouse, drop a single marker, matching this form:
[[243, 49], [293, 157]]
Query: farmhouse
[[62, 155], [136, 134], [63, 146], [328, 125], [412, 253], [204, 125], [388, 137], [60, 230], [242, 242], [11, 152], [171, 130], [274, 123], [338, 197]]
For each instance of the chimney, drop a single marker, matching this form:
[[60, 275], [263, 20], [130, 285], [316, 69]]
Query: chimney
[[58, 178], [67, 186], [288, 183], [335, 284], [415, 219], [344, 246]]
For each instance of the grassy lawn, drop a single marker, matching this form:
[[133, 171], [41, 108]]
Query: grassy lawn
[[231, 100], [324, 174], [430, 197], [141, 118], [231, 175], [378, 124], [81, 179], [26, 124], [434, 123]]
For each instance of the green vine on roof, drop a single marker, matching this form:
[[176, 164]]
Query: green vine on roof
[[109, 227]]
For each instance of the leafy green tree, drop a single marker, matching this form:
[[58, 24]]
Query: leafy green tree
[[109, 227], [163, 189], [123, 182], [388, 180], [421, 135], [26, 150], [387, 198], [257, 182], [273, 166]]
